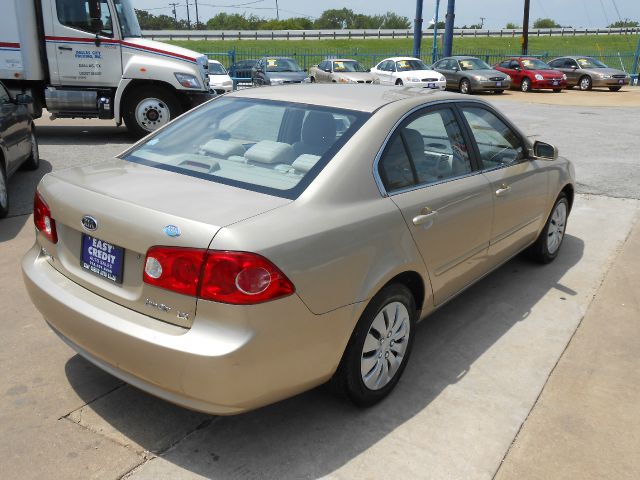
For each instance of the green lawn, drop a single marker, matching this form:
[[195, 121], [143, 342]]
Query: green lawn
[[370, 51]]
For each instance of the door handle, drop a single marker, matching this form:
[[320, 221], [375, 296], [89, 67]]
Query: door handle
[[426, 215], [69, 49], [503, 190]]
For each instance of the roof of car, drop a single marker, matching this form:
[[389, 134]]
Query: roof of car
[[339, 60], [461, 57], [397, 59], [364, 98]]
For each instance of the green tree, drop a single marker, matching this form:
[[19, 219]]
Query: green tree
[[392, 20], [149, 21], [334, 19], [441, 26], [512, 26], [545, 23], [624, 24]]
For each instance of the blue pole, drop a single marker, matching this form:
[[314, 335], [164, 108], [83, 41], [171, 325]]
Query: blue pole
[[417, 29], [634, 68], [448, 28], [434, 55]]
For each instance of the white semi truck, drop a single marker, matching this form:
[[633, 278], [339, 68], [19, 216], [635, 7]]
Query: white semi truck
[[87, 59]]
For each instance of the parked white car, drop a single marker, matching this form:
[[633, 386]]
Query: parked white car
[[408, 71], [219, 79]]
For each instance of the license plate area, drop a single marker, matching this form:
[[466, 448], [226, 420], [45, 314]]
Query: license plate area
[[431, 85], [102, 258], [498, 84], [555, 83]]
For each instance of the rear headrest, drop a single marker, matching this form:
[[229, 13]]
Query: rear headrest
[[415, 142], [305, 162], [270, 152], [223, 148], [319, 129]]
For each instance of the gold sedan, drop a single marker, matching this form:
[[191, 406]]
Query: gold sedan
[[273, 239]]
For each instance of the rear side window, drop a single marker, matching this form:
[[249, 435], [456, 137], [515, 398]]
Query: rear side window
[[271, 147], [428, 148]]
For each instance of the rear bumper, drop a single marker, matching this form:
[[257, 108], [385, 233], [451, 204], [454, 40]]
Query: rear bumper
[[231, 360]]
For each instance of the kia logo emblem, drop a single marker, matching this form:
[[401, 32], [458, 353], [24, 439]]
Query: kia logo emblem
[[89, 223]]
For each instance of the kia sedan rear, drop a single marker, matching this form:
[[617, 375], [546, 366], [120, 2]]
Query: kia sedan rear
[[273, 239]]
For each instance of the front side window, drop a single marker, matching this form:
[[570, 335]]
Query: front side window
[[429, 148], [128, 20], [86, 15], [498, 145], [506, 64], [272, 147]]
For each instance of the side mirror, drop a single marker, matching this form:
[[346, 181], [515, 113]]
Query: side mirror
[[24, 99], [455, 69], [574, 67], [517, 68], [544, 150]]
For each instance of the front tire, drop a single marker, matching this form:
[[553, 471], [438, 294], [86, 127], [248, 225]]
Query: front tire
[[615, 89], [548, 244], [499, 92], [585, 83], [4, 192], [379, 348], [465, 87], [557, 90], [399, 82], [312, 80], [148, 108], [33, 161], [525, 86]]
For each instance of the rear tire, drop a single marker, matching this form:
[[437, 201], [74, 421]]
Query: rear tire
[[379, 348], [148, 108], [525, 86], [546, 247], [615, 89], [465, 87], [4, 192], [585, 83], [33, 162]]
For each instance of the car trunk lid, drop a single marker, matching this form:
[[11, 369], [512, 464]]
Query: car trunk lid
[[135, 207]]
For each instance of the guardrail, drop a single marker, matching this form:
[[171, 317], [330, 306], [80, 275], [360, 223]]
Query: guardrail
[[364, 34]]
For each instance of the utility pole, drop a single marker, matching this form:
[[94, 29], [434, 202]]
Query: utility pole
[[175, 14], [197, 18], [482, 22], [188, 17], [525, 29], [277, 11], [448, 28], [434, 54], [417, 29]]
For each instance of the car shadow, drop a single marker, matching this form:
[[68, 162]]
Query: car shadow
[[50, 134], [317, 432], [22, 188]]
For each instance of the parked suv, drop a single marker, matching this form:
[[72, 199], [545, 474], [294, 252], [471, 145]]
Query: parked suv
[[277, 71]]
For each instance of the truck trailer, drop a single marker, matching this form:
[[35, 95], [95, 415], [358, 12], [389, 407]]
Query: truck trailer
[[87, 59]]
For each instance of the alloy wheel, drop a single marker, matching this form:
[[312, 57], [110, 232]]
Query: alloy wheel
[[557, 224], [385, 345]]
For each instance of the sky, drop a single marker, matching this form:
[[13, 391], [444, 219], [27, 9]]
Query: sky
[[496, 13]]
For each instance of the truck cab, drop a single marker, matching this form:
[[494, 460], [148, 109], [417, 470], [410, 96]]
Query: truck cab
[[87, 59]]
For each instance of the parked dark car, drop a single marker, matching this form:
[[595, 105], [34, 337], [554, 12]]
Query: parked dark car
[[528, 73], [277, 71], [18, 145], [242, 69]]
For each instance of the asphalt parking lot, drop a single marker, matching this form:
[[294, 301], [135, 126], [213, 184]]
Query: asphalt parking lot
[[492, 377]]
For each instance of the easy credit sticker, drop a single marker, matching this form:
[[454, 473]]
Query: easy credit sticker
[[272, 62]]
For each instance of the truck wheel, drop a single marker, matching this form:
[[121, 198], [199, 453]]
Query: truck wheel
[[148, 108]]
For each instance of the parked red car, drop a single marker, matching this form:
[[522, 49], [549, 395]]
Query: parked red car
[[532, 74]]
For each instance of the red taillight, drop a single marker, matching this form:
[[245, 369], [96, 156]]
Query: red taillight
[[238, 278], [42, 219], [175, 269], [242, 278]]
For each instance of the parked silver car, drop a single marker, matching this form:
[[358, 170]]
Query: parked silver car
[[275, 238], [277, 71], [339, 70], [470, 74], [588, 72]]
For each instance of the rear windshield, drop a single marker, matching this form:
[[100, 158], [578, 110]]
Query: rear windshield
[[271, 147]]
